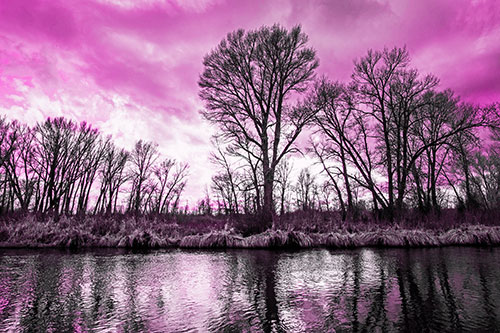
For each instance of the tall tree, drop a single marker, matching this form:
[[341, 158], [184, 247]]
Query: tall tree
[[8, 145], [390, 92], [335, 120], [391, 96], [143, 158], [61, 151], [112, 178], [436, 114], [170, 177], [248, 83], [347, 141], [18, 165]]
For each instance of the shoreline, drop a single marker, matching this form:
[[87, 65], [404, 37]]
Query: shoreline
[[472, 235]]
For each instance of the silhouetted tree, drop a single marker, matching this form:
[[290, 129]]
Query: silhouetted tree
[[60, 155], [8, 145], [113, 176], [387, 126], [436, 114], [53, 167], [142, 158], [226, 182], [90, 149], [485, 181], [283, 173], [170, 179], [390, 92], [17, 165], [306, 190], [248, 83], [327, 194], [338, 122]]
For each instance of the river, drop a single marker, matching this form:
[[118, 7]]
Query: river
[[439, 289]]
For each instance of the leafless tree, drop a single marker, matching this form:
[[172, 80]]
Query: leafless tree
[[170, 179], [327, 193], [8, 145], [60, 154], [248, 83], [283, 172], [436, 113], [226, 183], [346, 148], [18, 171], [53, 167], [485, 181], [142, 159], [337, 122], [7, 140], [390, 93], [88, 153], [306, 190], [113, 176], [385, 122]]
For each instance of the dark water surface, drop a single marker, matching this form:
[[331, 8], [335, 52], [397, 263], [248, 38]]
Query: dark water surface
[[451, 289]]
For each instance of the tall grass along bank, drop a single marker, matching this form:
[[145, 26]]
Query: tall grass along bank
[[209, 232]]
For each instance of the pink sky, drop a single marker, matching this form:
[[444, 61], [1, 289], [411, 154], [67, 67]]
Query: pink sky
[[131, 68]]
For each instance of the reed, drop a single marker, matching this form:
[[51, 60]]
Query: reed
[[221, 239], [474, 235], [338, 240], [143, 232], [73, 238], [145, 239], [415, 238]]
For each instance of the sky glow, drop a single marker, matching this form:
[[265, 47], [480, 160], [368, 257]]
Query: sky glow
[[131, 68]]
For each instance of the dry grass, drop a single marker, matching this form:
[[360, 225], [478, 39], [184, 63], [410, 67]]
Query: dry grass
[[221, 239], [143, 232], [421, 238], [144, 239], [473, 235], [279, 239]]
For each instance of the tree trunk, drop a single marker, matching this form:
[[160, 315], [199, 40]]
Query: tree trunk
[[350, 201], [268, 206]]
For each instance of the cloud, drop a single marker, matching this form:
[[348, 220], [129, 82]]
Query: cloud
[[131, 68]]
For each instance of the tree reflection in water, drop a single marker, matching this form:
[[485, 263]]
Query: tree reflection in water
[[449, 289]]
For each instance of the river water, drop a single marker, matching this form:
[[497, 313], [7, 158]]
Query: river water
[[441, 289]]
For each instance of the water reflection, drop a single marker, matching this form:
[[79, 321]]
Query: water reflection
[[450, 289]]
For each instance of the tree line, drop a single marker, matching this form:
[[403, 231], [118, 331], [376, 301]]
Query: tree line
[[61, 167], [388, 140]]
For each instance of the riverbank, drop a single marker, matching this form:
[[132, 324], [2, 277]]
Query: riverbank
[[129, 232], [471, 235]]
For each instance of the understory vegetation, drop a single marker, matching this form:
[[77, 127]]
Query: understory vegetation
[[294, 230]]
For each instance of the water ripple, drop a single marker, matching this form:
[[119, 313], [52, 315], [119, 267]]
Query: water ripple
[[450, 289]]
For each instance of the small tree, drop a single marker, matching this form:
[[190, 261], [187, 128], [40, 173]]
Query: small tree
[[306, 190]]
